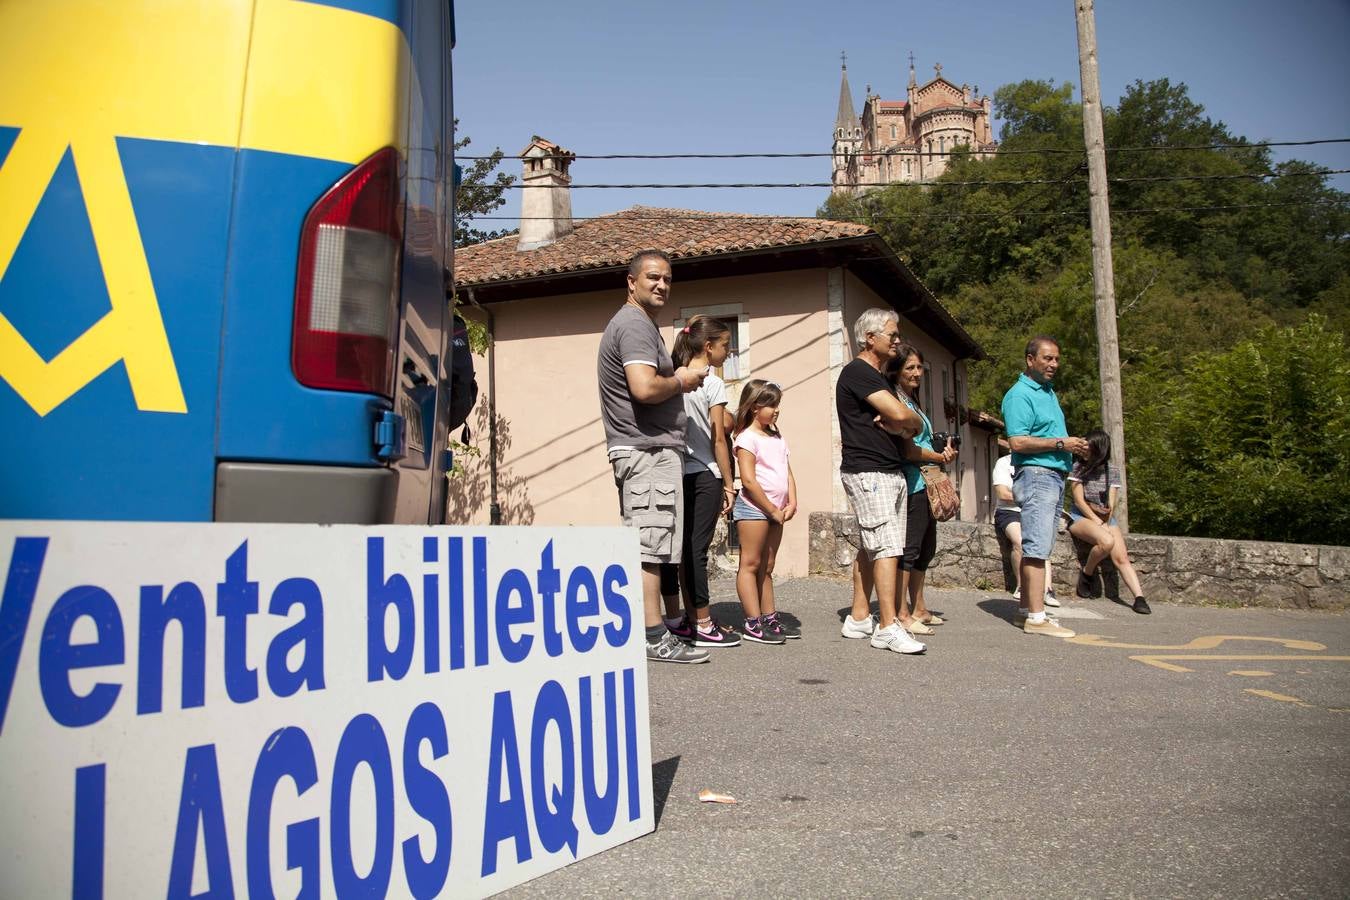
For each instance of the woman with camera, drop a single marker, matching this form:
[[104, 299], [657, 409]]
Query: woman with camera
[[905, 372], [1095, 488]]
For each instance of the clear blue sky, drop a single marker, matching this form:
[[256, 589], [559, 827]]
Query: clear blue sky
[[746, 76]]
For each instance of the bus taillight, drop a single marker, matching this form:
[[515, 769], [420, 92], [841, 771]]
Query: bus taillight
[[347, 282]]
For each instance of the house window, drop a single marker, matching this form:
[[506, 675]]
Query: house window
[[737, 365], [892, 132], [928, 390], [946, 393], [730, 370]]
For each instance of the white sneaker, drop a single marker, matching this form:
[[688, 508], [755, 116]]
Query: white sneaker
[[1051, 599], [853, 628], [1017, 594], [893, 637]]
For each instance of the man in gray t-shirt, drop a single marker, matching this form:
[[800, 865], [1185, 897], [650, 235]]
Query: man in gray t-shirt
[[643, 415]]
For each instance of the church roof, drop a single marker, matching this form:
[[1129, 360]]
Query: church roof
[[846, 118], [612, 239]]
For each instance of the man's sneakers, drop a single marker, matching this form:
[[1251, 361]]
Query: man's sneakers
[[895, 638], [671, 649], [1051, 599], [1048, 627], [857, 629]]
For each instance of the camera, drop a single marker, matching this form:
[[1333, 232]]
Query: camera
[[941, 439]]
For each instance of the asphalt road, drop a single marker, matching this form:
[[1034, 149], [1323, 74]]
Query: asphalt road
[[998, 763]]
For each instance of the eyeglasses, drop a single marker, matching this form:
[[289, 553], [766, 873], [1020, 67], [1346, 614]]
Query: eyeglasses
[[891, 336]]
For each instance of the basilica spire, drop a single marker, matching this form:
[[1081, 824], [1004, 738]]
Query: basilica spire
[[847, 120]]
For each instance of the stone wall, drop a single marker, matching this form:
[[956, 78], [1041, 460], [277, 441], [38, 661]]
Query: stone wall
[[1182, 570]]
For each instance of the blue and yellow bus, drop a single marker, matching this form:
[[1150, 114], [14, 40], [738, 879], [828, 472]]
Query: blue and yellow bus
[[225, 242]]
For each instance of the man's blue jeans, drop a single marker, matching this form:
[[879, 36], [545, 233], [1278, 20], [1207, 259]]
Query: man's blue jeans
[[1040, 493]]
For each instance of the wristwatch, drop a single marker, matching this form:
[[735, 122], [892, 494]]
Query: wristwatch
[[1059, 445]]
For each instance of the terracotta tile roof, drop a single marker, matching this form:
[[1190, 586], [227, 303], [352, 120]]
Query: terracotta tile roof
[[611, 240]]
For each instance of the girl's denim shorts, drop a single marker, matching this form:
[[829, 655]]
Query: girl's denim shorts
[[743, 510]]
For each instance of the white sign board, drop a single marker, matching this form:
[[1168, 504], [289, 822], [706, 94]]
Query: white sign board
[[297, 710]]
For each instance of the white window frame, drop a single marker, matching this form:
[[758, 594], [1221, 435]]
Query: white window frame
[[726, 311]]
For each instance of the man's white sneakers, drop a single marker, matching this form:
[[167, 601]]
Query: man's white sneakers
[[895, 638], [856, 629]]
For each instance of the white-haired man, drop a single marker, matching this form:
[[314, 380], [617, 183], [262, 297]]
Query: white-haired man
[[870, 468]]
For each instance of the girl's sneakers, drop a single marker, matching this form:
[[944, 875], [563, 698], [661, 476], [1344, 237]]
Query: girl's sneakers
[[788, 630], [720, 636], [763, 631]]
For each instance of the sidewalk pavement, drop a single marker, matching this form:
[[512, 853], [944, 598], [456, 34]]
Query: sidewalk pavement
[[1197, 752]]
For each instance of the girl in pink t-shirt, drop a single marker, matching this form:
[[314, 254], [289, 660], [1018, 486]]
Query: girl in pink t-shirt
[[767, 499]]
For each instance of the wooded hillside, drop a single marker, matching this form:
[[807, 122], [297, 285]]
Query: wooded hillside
[[1232, 289]]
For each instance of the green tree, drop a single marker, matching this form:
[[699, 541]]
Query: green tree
[[1209, 254], [1253, 442], [480, 193]]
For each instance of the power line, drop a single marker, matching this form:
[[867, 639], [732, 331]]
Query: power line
[[935, 184], [768, 217], [1043, 151]]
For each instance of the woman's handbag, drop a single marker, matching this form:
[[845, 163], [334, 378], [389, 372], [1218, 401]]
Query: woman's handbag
[[942, 499]]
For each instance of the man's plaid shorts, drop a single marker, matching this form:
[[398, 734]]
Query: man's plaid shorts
[[879, 501]]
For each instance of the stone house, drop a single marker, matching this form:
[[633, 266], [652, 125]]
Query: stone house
[[790, 288]]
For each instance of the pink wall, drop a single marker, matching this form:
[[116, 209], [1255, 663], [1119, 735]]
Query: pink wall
[[553, 469]]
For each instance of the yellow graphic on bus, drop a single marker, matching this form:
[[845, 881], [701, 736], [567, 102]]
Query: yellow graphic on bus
[[322, 82], [133, 330]]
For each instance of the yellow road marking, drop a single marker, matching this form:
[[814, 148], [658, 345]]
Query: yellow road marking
[[1251, 673], [1207, 642], [1158, 659], [1271, 695]]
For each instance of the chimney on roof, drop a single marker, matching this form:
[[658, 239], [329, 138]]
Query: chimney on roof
[[546, 195]]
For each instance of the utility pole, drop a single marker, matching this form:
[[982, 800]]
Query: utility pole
[[1103, 272]]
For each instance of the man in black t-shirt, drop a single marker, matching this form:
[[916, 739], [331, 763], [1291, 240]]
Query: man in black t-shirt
[[870, 468]]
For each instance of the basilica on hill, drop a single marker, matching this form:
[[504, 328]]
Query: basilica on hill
[[906, 140]]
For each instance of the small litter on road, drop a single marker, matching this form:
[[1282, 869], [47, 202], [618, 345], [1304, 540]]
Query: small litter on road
[[707, 796]]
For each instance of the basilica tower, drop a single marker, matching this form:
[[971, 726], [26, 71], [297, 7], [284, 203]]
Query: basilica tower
[[847, 139]]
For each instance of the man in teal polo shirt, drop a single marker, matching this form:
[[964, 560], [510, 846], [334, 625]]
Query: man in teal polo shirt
[[1042, 455]]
